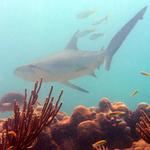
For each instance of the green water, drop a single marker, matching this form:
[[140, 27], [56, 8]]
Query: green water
[[30, 29]]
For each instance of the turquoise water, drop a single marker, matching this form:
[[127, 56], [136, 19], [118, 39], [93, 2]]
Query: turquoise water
[[31, 29]]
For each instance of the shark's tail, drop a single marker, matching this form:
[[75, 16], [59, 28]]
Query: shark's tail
[[119, 38], [107, 61]]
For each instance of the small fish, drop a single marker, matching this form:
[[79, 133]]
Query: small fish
[[145, 73], [30, 147], [142, 105], [6, 104], [86, 13], [13, 133], [134, 93], [96, 35], [99, 21], [39, 108], [118, 103], [148, 107], [116, 113], [85, 32], [10, 148], [99, 144]]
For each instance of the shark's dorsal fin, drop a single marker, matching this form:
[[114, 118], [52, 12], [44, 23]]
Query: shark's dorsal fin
[[72, 45]]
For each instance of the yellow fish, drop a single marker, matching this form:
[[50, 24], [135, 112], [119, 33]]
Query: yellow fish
[[10, 148], [145, 73], [116, 113], [12, 133], [134, 93], [98, 144]]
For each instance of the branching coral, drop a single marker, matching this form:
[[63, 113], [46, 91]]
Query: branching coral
[[22, 129], [143, 127]]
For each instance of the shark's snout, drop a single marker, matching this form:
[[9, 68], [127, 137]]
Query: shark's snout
[[24, 72], [18, 71]]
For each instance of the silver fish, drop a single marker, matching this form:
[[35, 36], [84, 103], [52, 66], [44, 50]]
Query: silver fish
[[99, 21], [85, 32], [86, 13], [95, 36]]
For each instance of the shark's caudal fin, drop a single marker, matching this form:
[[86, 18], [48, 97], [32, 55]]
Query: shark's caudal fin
[[75, 87], [120, 37], [107, 61], [105, 58]]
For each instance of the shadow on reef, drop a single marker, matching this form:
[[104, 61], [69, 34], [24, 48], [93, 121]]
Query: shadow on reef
[[110, 126]]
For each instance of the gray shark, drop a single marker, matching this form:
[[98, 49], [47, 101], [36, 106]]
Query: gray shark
[[71, 63]]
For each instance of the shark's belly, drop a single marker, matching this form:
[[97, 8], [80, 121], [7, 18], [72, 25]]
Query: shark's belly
[[67, 69], [69, 75]]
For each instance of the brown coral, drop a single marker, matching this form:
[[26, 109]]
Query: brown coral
[[45, 142], [115, 130], [25, 124], [139, 145], [88, 126], [88, 132], [104, 105], [81, 113]]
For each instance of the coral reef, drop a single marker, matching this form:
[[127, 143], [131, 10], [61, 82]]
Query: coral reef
[[111, 122], [139, 145], [109, 126], [20, 131], [45, 142], [113, 125]]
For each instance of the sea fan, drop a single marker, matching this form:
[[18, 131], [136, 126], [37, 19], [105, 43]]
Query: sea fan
[[143, 127], [22, 129]]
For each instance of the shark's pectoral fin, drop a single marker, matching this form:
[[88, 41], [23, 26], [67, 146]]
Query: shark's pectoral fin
[[93, 75], [75, 86]]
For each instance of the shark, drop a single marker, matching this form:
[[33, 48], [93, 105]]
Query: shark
[[71, 62]]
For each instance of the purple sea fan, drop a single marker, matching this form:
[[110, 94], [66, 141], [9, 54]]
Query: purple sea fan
[[143, 127], [25, 125]]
